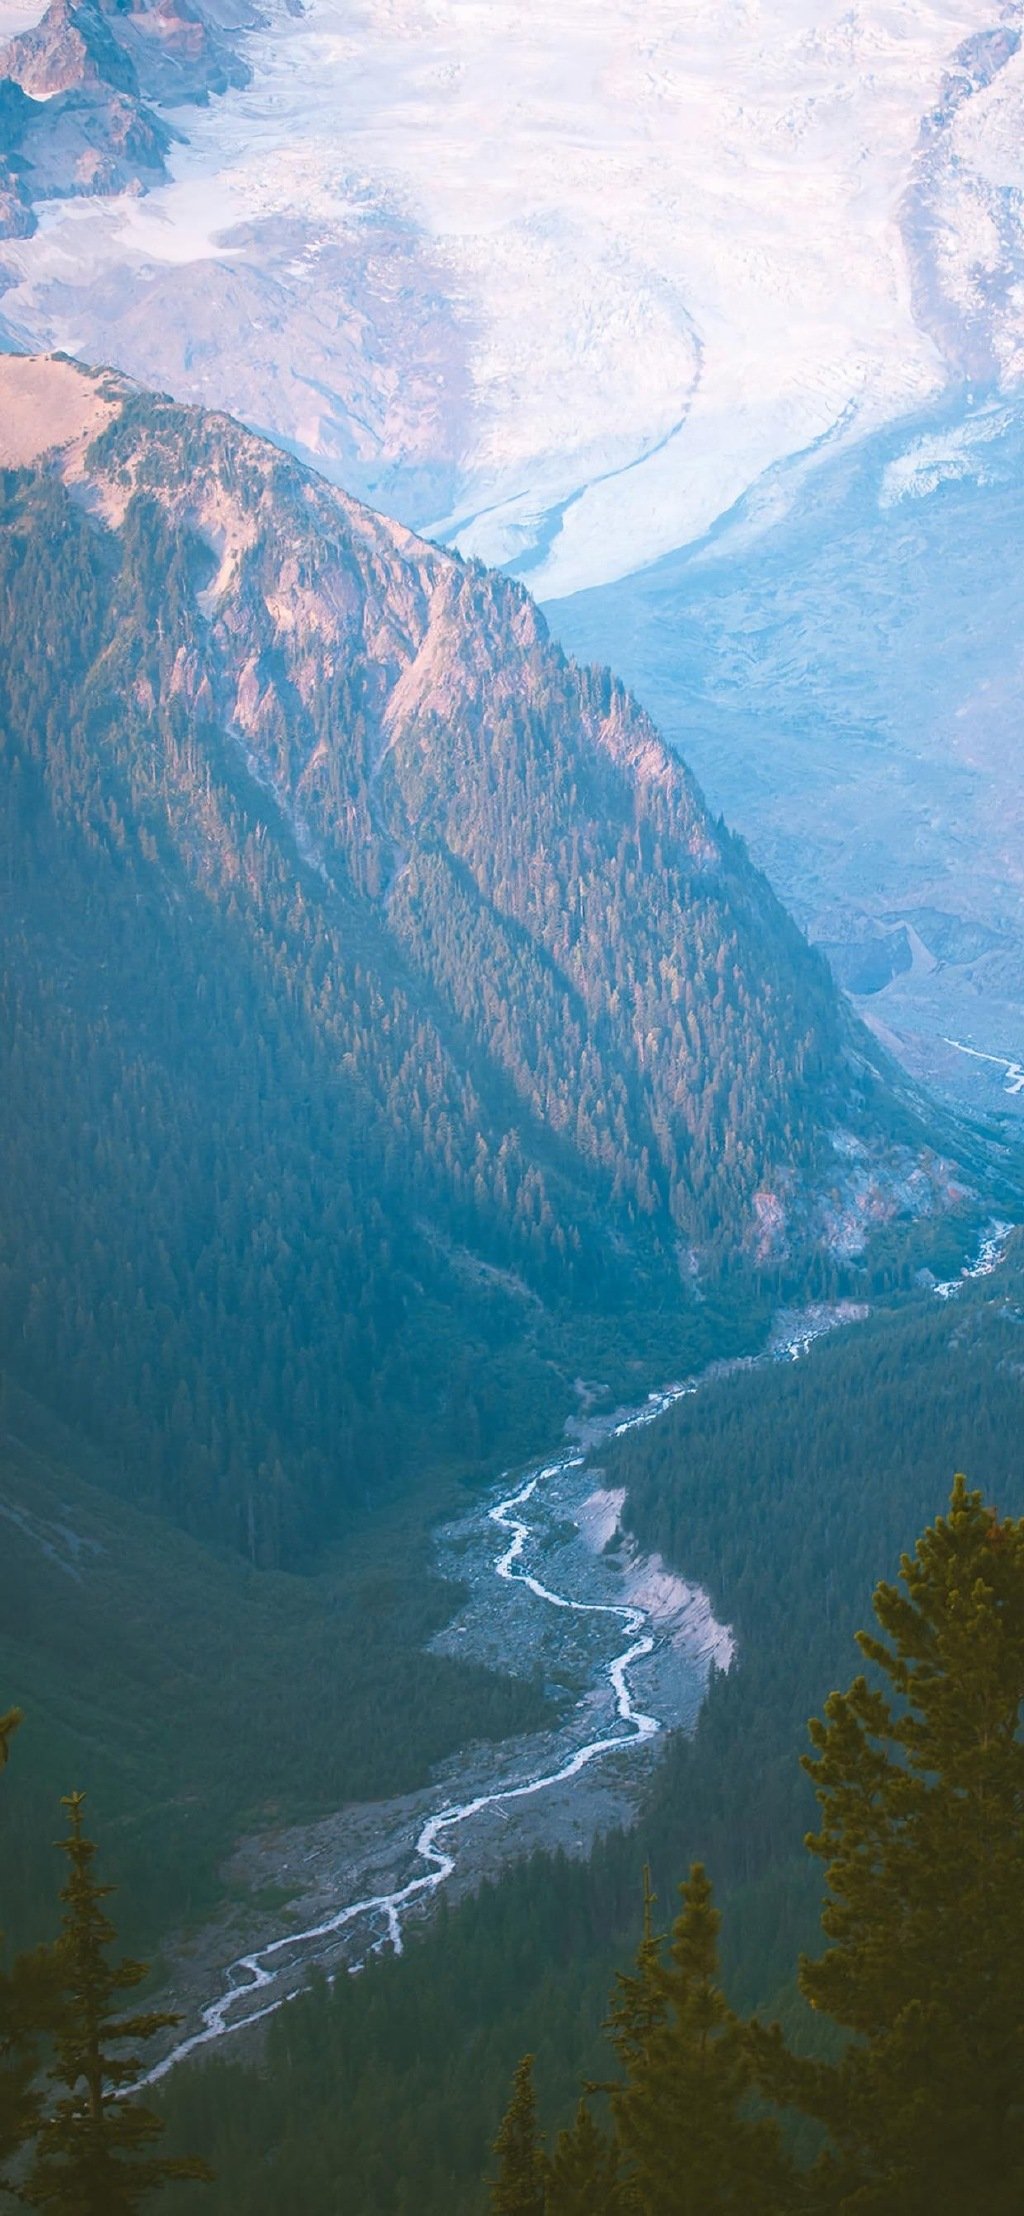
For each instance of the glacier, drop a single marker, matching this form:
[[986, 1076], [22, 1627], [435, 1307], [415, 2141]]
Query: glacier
[[560, 285]]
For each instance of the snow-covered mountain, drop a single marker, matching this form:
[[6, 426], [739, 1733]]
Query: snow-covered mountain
[[558, 284]]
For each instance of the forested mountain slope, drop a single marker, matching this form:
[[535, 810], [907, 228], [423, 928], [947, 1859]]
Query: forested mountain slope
[[378, 995]]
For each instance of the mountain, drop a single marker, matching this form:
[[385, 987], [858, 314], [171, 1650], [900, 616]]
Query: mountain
[[71, 47], [381, 1004]]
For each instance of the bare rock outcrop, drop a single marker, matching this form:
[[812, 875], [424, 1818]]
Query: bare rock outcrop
[[80, 95]]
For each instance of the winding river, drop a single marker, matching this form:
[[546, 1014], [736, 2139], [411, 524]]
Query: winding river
[[261, 1981], [1013, 1072]]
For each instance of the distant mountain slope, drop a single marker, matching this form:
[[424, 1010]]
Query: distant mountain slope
[[378, 996], [841, 665]]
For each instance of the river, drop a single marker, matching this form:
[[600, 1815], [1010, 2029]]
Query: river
[[1013, 1071], [659, 1612]]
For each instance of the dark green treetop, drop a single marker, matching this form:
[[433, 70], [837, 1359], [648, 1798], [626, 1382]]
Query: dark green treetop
[[518, 2189], [584, 2173], [640, 2001], [25, 1993], [683, 2111], [919, 1773]]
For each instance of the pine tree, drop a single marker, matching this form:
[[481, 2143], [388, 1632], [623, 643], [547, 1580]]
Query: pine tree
[[93, 2154], [640, 2001], [518, 2189], [583, 2174], [8, 1726], [690, 2144], [26, 2002], [26, 1991], [920, 1780]]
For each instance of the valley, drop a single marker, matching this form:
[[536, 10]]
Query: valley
[[752, 1487], [625, 1645], [350, 932]]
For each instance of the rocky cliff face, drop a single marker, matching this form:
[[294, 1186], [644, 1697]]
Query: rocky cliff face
[[92, 79], [71, 47]]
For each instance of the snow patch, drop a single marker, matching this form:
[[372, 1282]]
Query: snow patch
[[942, 458]]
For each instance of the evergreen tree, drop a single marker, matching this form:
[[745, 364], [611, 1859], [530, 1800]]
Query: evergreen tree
[[682, 2113], [93, 2153], [25, 1992], [640, 2002], [920, 1781], [518, 2189], [583, 2175]]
